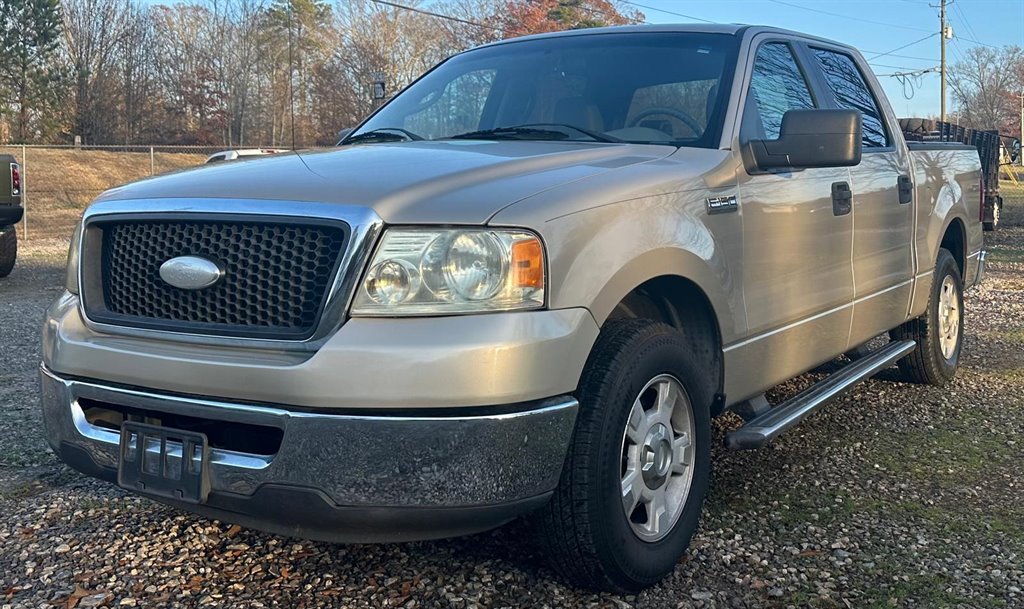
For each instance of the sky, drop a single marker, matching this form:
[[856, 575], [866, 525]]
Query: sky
[[874, 27]]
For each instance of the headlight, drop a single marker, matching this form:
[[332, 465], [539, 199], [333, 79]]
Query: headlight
[[435, 272], [72, 277]]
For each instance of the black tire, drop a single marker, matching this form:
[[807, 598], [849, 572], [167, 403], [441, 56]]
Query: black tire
[[8, 249], [927, 364], [997, 209], [584, 528]]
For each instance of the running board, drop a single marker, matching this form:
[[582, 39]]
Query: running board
[[766, 427]]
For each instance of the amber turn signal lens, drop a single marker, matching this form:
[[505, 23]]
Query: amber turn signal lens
[[527, 264]]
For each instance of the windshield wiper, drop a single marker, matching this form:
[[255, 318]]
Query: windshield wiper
[[512, 133], [384, 134], [536, 131], [594, 135]]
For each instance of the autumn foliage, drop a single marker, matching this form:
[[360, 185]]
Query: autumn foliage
[[521, 17], [238, 72]]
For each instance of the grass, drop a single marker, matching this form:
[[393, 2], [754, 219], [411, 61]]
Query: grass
[[69, 171], [927, 590], [61, 182], [949, 456], [1010, 255]]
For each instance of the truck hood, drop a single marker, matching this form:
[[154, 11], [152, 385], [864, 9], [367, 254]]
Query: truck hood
[[457, 182]]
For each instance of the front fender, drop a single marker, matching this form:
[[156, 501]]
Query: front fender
[[599, 255]]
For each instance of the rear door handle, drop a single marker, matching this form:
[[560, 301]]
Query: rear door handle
[[906, 189], [842, 198]]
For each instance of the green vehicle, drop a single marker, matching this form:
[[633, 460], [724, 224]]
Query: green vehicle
[[11, 212]]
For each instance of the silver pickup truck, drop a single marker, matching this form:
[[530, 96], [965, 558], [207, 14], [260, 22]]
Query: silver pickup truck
[[523, 286]]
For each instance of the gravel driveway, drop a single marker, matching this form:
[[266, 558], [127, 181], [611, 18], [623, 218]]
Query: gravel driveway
[[896, 496]]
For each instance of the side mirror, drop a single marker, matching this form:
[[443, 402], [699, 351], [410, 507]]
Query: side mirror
[[343, 134], [1014, 151], [811, 138]]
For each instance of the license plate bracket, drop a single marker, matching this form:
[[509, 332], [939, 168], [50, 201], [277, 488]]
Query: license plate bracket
[[164, 462]]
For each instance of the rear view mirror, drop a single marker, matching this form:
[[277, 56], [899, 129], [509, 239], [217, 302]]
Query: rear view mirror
[[811, 138]]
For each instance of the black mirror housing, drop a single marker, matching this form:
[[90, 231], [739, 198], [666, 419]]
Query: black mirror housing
[[811, 138]]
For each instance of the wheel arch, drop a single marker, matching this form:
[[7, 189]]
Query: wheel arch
[[954, 239], [678, 299]]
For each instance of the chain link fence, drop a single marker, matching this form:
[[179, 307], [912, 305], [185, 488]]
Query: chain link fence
[[58, 182]]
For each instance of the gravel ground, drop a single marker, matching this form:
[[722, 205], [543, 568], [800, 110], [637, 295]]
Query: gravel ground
[[896, 496]]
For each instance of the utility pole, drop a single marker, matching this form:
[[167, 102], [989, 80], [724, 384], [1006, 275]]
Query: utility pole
[[942, 37]]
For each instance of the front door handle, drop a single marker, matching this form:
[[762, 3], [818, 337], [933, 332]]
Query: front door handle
[[842, 198], [906, 189]]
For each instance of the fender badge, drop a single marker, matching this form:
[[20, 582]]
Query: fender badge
[[721, 205]]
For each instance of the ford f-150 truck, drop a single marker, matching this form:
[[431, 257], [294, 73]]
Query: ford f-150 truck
[[523, 286], [11, 212]]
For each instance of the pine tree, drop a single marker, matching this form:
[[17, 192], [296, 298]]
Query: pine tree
[[29, 42]]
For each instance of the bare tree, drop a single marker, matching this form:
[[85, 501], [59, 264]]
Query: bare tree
[[135, 58], [258, 72], [985, 84], [93, 31]]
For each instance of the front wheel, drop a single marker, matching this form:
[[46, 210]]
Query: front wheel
[[634, 480], [939, 332], [8, 249]]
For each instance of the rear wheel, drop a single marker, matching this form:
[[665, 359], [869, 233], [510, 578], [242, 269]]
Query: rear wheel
[[8, 249], [939, 332], [997, 209], [638, 468]]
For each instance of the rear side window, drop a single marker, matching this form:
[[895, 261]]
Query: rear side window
[[852, 93], [777, 86]]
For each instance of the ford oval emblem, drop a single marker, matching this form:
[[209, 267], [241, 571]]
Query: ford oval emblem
[[190, 272]]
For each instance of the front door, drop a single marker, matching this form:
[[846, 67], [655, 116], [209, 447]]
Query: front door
[[797, 245]]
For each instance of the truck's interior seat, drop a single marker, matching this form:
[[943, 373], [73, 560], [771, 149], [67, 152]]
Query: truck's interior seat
[[579, 112]]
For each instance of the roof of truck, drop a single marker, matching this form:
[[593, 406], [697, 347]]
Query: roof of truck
[[697, 28]]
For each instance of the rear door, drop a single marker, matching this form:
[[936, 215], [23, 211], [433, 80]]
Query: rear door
[[883, 214]]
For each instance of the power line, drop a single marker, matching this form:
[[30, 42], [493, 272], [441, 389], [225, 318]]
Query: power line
[[967, 24], [911, 81], [909, 44], [598, 11], [958, 51], [885, 65], [821, 12], [901, 56], [442, 16], [661, 10], [984, 44]]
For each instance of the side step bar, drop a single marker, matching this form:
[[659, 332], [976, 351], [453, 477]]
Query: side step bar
[[766, 427]]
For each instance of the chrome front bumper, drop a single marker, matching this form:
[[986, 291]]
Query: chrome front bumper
[[343, 477]]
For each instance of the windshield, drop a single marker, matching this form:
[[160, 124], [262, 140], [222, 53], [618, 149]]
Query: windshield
[[653, 88]]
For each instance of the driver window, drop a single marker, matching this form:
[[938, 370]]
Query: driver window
[[776, 86], [678, 109], [456, 109]]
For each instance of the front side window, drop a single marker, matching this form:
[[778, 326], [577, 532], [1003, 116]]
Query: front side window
[[852, 93], [653, 88], [777, 86]]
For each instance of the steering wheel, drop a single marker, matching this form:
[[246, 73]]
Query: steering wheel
[[690, 122]]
